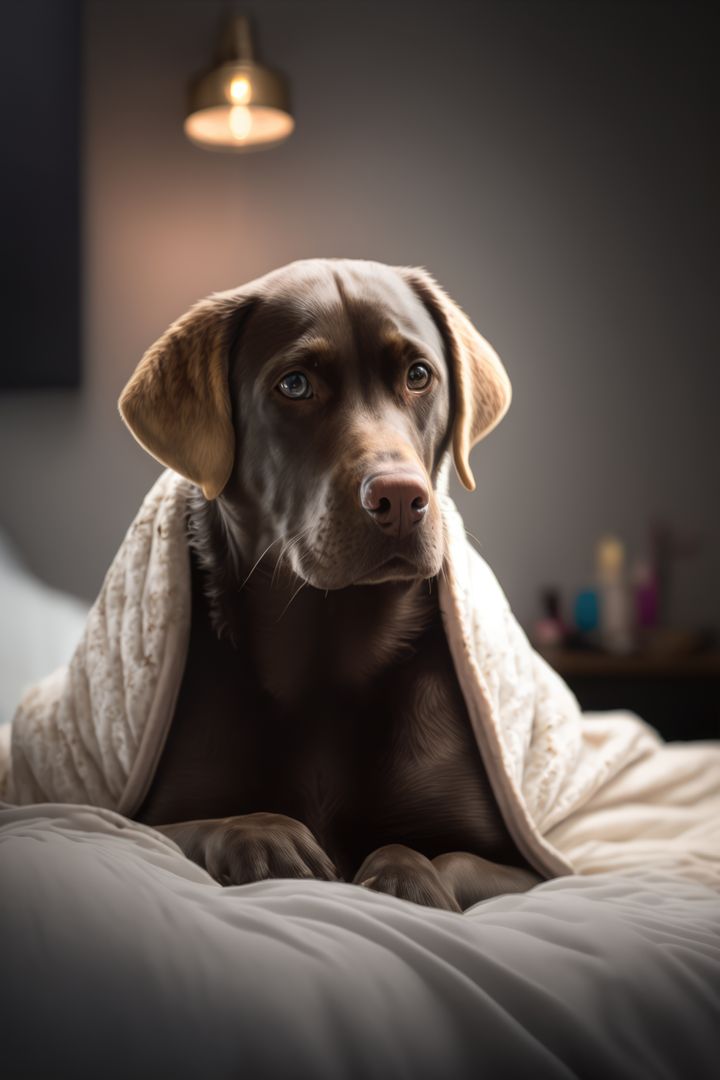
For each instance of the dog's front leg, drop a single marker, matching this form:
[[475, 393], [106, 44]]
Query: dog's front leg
[[470, 878], [252, 847], [402, 871]]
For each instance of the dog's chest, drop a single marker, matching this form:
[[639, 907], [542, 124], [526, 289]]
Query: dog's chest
[[397, 764], [390, 760]]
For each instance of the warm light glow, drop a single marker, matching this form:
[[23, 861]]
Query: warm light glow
[[239, 104], [238, 127], [240, 122], [240, 89]]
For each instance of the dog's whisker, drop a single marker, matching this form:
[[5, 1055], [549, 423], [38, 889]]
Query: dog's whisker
[[278, 563], [259, 560], [473, 537], [283, 550], [286, 548], [300, 586], [290, 547]]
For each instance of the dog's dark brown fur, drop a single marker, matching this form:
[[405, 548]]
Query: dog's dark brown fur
[[320, 728]]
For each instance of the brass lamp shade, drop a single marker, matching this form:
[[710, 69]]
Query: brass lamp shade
[[239, 105]]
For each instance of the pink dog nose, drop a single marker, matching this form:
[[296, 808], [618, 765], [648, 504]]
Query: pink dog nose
[[396, 501]]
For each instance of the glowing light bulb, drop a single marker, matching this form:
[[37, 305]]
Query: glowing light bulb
[[240, 121], [240, 89]]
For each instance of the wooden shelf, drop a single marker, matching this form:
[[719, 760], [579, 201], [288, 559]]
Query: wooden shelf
[[580, 663]]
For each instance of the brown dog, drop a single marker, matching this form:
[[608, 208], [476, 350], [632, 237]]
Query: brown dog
[[314, 409]]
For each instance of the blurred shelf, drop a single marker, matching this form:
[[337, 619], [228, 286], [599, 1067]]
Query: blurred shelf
[[678, 693], [581, 662]]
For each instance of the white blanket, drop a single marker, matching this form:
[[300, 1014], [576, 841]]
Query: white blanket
[[580, 794], [123, 959]]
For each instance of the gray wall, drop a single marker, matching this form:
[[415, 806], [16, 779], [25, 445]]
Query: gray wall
[[549, 162]]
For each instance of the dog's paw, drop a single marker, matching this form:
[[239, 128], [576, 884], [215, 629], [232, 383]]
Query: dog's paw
[[402, 872], [470, 878], [253, 847]]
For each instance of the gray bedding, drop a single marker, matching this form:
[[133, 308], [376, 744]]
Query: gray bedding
[[122, 959]]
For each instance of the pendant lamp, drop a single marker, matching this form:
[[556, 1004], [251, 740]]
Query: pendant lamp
[[239, 105]]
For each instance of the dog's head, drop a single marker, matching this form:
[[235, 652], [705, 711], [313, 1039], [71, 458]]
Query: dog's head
[[318, 403]]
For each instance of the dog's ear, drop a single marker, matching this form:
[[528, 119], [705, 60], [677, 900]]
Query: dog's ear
[[177, 403], [482, 387]]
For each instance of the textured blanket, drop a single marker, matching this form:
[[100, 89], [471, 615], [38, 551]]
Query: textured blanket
[[580, 793]]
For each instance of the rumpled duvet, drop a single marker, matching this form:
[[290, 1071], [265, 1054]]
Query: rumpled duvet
[[121, 958], [580, 793]]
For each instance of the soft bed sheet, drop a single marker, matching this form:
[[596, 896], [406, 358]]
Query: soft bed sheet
[[120, 958]]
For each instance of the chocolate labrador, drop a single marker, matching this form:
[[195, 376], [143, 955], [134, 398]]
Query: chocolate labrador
[[320, 730]]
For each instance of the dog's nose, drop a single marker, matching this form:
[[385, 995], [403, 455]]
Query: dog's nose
[[397, 502]]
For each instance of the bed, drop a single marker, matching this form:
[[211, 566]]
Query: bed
[[121, 958]]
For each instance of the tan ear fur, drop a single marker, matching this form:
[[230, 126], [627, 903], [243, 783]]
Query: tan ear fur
[[177, 403], [482, 387]]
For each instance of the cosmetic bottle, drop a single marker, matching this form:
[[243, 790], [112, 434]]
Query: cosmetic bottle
[[549, 631], [587, 615], [616, 621], [645, 587]]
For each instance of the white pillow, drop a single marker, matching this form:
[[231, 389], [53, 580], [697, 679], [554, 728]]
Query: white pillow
[[39, 628]]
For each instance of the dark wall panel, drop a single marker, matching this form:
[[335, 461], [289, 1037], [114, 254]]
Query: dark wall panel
[[40, 194]]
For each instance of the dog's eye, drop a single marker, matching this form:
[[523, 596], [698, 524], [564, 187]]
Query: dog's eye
[[418, 377], [295, 385]]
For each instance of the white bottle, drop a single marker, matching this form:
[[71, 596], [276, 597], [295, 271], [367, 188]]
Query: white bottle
[[616, 630]]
